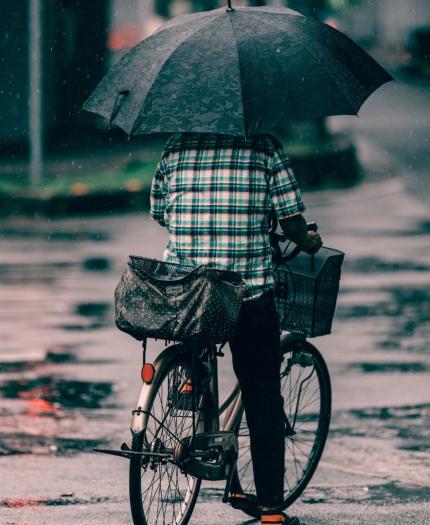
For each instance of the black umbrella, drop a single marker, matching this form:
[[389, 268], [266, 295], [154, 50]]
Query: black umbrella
[[238, 72]]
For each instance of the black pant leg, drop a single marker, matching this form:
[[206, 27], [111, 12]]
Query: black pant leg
[[256, 355]]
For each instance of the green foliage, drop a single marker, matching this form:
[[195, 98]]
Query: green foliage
[[131, 177]]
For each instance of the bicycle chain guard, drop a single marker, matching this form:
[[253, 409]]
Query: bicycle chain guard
[[209, 455]]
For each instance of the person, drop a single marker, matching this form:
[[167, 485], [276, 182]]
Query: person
[[215, 195]]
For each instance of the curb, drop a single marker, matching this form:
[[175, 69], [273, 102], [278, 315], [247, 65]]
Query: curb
[[337, 167], [102, 202]]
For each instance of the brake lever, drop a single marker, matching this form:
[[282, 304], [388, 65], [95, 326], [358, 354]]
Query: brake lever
[[276, 238], [312, 227]]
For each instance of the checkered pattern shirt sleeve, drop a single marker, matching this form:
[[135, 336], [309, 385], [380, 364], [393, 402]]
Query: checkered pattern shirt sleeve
[[158, 194], [283, 187]]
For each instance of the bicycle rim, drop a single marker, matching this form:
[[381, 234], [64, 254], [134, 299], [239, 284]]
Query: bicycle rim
[[160, 493], [307, 404]]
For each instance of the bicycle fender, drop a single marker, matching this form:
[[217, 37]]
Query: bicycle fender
[[144, 399]]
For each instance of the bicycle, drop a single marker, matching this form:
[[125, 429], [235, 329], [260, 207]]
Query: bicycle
[[181, 434]]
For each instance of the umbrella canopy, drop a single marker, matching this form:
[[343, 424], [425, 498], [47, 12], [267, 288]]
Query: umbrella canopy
[[238, 72]]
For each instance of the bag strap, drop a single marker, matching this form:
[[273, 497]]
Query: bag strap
[[203, 270], [146, 275]]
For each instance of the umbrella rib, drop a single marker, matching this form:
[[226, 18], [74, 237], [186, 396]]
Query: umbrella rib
[[136, 122], [240, 74]]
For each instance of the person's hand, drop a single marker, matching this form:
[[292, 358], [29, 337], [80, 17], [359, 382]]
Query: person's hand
[[313, 243]]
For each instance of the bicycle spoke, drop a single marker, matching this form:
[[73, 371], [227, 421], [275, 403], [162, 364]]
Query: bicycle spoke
[[312, 400], [167, 493], [158, 502], [244, 467], [286, 481], [150, 487], [295, 455], [306, 442]]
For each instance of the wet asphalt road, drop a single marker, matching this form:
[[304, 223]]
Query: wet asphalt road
[[69, 379]]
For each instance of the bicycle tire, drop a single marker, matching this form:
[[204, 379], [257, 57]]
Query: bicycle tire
[[291, 493], [169, 363]]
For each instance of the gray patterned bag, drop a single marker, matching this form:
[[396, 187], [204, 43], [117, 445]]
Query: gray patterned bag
[[178, 303]]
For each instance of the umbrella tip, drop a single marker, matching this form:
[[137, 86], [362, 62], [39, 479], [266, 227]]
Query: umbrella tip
[[229, 8]]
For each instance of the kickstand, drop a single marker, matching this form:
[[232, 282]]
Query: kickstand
[[225, 498]]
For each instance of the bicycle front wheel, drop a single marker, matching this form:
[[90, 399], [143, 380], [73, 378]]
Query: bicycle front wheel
[[306, 390], [160, 492]]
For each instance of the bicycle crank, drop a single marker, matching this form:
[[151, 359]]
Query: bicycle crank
[[208, 455]]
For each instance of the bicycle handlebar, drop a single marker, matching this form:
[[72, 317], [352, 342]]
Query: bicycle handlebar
[[275, 238]]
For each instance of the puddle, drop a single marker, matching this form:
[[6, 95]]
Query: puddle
[[410, 304], [389, 367], [211, 494], [93, 309], [95, 316], [382, 494], [64, 235], [50, 357], [396, 413], [408, 427], [59, 392], [374, 265], [97, 264], [64, 499], [390, 344], [84, 327], [33, 266], [53, 357], [423, 228], [56, 358], [33, 272], [407, 310], [26, 444]]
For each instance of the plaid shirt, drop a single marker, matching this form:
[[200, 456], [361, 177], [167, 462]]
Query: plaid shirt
[[215, 195]]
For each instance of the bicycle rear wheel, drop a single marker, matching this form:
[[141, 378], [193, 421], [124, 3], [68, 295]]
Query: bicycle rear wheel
[[306, 388], [160, 492]]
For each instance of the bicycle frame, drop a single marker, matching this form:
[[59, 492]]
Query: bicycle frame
[[231, 405], [158, 440]]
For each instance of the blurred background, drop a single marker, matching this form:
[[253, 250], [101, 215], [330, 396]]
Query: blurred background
[[55, 52], [73, 205]]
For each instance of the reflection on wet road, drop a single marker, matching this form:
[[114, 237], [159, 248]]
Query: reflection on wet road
[[68, 378]]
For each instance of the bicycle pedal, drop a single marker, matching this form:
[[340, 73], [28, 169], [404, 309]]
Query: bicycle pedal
[[212, 455], [244, 502]]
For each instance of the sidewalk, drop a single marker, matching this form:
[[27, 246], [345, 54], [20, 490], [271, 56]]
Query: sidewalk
[[108, 173]]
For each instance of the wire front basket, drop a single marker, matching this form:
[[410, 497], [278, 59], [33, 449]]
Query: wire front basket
[[306, 291]]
